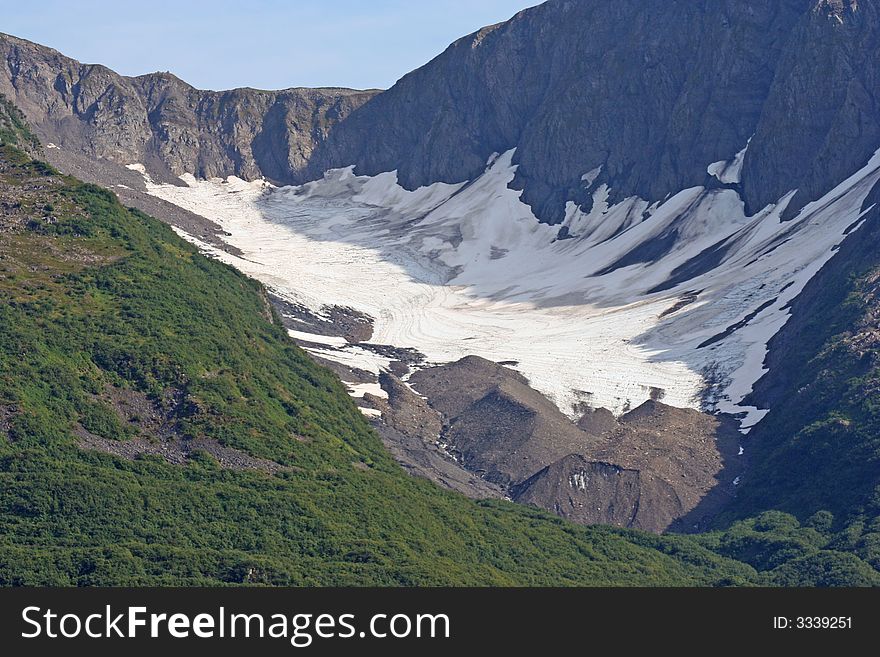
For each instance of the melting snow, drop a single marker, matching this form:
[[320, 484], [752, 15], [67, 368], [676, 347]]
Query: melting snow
[[590, 177], [315, 338], [729, 171], [453, 270], [141, 169], [579, 480], [358, 390]]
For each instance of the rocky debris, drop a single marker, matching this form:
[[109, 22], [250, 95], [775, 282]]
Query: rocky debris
[[655, 468], [7, 412], [176, 450], [347, 374], [407, 412], [410, 430], [334, 321], [405, 355], [156, 419], [597, 421], [685, 300], [430, 461], [593, 492], [697, 454], [495, 422]]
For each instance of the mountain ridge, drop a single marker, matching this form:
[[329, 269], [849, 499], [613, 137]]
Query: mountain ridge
[[532, 83], [163, 121]]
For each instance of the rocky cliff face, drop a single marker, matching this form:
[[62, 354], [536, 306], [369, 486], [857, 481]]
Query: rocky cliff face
[[165, 123], [644, 93], [650, 91]]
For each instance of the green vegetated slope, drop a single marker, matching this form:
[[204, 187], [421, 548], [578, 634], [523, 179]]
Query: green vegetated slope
[[95, 297], [101, 303], [14, 128], [818, 450]]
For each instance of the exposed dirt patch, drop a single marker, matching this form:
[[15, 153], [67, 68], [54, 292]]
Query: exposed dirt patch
[[175, 450], [6, 414], [158, 434]]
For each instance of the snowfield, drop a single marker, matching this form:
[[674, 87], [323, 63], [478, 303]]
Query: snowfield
[[674, 300]]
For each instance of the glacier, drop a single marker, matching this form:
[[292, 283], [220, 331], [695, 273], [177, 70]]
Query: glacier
[[674, 300]]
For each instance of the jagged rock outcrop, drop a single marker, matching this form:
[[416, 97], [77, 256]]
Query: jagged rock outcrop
[[166, 124], [15, 131]]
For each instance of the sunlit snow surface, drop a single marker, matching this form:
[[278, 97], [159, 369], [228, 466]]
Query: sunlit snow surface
[[453, 270]]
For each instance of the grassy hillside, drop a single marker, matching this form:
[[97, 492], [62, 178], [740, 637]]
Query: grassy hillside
[[115, 333]]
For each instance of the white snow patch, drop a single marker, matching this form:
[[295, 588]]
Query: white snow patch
[[453, 270], [729, 171], [590, 177], [579, 480], [358, 390], [355, 357], [315, 338], [140, 168]]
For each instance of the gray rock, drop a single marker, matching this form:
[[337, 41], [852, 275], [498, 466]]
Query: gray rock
[[591, 492], [166, 124], [651, 91]]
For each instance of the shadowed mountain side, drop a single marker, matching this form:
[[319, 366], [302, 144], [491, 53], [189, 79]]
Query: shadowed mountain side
[[643, 93]]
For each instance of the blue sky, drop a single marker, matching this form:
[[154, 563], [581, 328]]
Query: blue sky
[[268, 44]]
